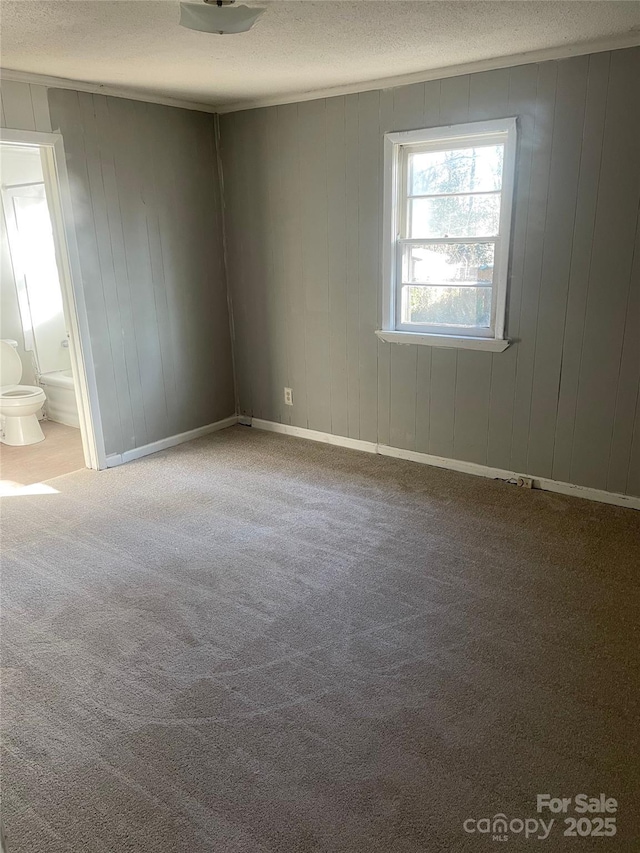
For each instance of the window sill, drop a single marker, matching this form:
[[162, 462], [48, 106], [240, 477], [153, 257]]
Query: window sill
[[457, 341]]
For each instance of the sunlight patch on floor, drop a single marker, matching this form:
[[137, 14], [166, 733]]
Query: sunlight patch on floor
[[9, 489]]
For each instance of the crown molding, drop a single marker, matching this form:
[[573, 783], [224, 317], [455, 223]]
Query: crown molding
[[631, 39], [102, 89], [626, 40]]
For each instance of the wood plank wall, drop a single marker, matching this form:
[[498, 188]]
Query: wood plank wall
[[147, 207], [24, 106], [303, 199]]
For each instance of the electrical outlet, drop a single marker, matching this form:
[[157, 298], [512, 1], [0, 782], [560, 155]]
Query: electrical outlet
[[288, 396], [525, 482]]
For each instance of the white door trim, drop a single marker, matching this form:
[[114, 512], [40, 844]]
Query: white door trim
[[56, 180]]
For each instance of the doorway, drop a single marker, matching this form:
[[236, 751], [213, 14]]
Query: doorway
[[48, 401]]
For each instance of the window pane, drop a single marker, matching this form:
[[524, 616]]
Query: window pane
[[462, 170], [440, 263], [447, 306], [455, 216]]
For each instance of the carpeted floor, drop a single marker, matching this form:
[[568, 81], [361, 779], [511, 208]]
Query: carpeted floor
[[256, 643]]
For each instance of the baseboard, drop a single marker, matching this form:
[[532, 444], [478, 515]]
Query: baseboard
[[137, 452], [543, 483], [312, 435]]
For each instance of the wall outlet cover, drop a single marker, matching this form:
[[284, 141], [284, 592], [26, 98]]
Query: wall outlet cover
[[525, 482]]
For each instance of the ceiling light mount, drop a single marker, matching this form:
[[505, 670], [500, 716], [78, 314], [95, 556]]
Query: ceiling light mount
[[218, 16]]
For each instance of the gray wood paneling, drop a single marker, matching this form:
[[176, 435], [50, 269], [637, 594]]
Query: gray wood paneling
[[40, 104], [17, 106], [442, 399], [24, 106], [126, 121], [147, 213], [633, 479], [473, 389], [293, 266], [234, 187], [369, 190], [582, 243], [276, 292], [562, 401], [259, 274], [315, 269], [609, 273], [568, 127], [533, 254], [336, 213], [628, 392], [353, 277], [523, 83]]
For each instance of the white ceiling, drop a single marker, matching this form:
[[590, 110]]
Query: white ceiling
[[296, 47]]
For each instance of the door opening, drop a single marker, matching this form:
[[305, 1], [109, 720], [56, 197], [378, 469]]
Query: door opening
[[49, 417]]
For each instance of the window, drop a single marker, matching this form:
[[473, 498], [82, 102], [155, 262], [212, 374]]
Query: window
[[448, 199]]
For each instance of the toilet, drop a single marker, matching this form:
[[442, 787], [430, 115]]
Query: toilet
[[18, 403]]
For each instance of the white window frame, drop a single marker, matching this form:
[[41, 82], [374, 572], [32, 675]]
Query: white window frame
[[396, 147]]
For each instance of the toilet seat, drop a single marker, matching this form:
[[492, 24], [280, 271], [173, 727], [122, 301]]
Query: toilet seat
[[16, 395]]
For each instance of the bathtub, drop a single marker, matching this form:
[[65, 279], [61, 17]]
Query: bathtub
[[61, 403]]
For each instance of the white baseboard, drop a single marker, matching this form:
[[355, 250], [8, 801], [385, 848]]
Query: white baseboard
[[544, 483], [137, 452], [313, 435]]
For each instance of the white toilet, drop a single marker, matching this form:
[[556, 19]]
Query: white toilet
[[18, 403]]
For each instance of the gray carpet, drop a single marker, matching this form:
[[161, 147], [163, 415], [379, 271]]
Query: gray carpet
[[256, 643]]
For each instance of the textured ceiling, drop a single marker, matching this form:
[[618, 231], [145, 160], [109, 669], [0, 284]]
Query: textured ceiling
[[295, 48]]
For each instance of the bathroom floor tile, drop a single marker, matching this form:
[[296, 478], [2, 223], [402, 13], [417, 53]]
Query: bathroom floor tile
[[59, 453]]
